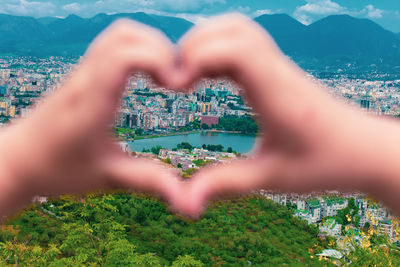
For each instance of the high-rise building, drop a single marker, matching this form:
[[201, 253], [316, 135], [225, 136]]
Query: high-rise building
[[209, 120], [3, 90], [365, 103]]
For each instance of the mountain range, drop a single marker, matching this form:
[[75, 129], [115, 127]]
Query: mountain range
[[71, 35], [331, 37]]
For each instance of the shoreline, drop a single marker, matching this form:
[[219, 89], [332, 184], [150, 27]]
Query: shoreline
[[179, 133], [162, 135]]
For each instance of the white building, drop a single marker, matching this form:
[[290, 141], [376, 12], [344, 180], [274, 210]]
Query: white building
[[125, 147], [331, 228]]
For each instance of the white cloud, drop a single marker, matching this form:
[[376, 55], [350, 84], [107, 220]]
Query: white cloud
[[372, 12], [321, 7], [262, 12], [243, 9], [72, 8], [316, 9], [171, 7], [303, 18], [306, 13], [29, 8], [194, 18]]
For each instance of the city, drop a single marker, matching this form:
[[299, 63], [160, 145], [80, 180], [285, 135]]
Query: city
[[218, 173], [150, 111]]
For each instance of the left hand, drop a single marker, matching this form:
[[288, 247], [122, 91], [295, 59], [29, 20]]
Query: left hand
[[66, 144]]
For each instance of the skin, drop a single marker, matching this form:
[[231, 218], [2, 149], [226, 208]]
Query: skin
[[66, 145], [310, 140]]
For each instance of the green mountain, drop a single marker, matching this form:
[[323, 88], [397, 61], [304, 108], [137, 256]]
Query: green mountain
[[126, 230], [72, 35], [47, 20], [336, 41], [336, 35], [286, 31], [18, 34], [357, 47], [345, 35]]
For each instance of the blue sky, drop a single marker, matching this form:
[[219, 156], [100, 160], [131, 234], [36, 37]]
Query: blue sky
[[384, 12]]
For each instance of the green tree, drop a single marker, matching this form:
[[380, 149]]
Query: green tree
[[187, 261], [156, 150], [120, 253], [146, 260], [139, 132], [185, 145], [244, 124], [204, 126]]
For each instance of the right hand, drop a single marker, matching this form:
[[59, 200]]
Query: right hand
[[309, 140]]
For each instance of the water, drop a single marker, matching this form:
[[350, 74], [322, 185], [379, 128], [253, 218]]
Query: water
[[238, 142]]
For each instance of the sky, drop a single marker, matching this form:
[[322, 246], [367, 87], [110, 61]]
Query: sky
[[384, 12]]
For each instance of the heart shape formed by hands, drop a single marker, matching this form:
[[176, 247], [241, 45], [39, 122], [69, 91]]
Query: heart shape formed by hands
[[75, 153], [292, 156]]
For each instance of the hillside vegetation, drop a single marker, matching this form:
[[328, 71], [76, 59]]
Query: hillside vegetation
[[128, 230]]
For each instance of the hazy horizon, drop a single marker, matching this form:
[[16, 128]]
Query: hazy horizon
[[385, 13]]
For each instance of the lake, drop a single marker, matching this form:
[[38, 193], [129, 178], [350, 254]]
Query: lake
[[238, 142]]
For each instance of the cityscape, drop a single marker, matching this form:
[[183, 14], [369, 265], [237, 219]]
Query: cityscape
[[157, 110], [350, 48], [212, 107]]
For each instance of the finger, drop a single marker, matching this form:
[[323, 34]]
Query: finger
[[144, 176], [127, 47], [246, 53], [221, 45], [95, 89], [237, 178]]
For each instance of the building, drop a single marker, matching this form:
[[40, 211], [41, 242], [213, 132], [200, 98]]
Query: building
[[314, 207], [386, 227], [331, 228], [331, 205], [365, 103], [331, 253], [304, 214], [205, 108], [3, 90], [276, 197], [301, 204], [125, 147], [209, 120]]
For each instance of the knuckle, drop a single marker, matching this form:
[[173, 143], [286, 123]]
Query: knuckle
[[239, 18], [235, 25], [121, 24], [121, 30]]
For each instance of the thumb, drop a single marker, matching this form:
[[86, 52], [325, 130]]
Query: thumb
[[222, 181], [145, 176]]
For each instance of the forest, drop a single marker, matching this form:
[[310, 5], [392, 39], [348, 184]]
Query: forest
[[122, 229], [245, 124]]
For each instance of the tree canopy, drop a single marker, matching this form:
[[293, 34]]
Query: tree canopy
[[128, 230]]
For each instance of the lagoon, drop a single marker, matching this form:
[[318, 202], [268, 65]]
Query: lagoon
[[238, 142]]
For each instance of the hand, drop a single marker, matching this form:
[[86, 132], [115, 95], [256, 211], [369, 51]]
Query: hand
[[65, 145], [309, 140]]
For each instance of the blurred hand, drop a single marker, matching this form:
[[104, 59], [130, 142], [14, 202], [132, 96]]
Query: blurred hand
[[65, 145], [309, 140]]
